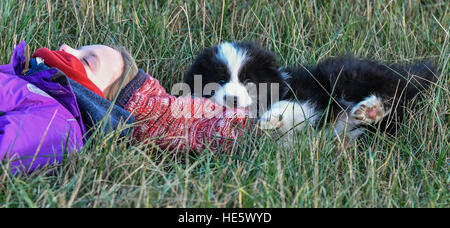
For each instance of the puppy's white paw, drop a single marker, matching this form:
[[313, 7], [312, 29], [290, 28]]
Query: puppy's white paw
[[370, 110], [285, 116], [270, 121]]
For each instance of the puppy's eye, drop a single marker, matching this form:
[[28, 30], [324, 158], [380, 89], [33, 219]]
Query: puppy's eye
[[247, 81], [222, 81]]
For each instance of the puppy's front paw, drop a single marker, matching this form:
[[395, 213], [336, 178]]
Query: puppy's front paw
[[286, 116], [370, 110], [271, 120]]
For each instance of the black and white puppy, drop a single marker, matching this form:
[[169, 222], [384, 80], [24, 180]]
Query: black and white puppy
[[353, 93], [242, 75]]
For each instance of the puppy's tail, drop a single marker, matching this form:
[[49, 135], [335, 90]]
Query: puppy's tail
[[417, 77], [421, 75]]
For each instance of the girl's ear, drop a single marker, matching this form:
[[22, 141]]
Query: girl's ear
[[129, 72]]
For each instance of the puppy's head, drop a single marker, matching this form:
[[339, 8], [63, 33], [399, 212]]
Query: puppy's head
[[235, 74]]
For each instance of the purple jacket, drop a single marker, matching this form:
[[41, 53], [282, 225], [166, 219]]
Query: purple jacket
[[36, 127]]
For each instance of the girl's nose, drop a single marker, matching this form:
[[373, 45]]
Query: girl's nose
[[64, 47], [68, 49]]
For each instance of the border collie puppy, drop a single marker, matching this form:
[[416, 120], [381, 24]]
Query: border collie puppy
[[351, 94], [242, 75]]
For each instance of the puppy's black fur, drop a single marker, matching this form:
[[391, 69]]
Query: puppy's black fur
[[339, 83]]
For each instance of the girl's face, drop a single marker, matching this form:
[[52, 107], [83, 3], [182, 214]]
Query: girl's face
[[103, 64]]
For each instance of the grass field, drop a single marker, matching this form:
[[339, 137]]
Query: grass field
[[408, 170]]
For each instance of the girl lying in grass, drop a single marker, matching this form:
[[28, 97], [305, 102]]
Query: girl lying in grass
[[178, 123]]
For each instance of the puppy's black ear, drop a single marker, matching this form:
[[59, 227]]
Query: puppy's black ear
[[261, 55], [201, 62], [271, 59]]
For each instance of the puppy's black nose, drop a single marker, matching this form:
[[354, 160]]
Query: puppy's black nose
[[231, 100]]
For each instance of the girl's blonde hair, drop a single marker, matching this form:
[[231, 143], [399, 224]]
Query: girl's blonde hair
[[129, 72]]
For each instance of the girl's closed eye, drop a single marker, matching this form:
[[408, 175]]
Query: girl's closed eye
[[85, 62], [90, 61]]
